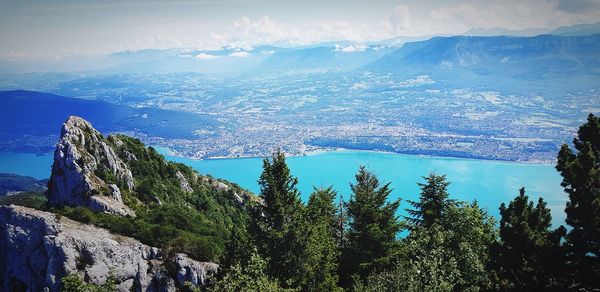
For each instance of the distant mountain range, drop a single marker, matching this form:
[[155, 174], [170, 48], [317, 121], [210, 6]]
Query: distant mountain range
[[329, 55], [338, 57], [522, 57], [500, 31], [466, 58], [572, 30], [577, 30]]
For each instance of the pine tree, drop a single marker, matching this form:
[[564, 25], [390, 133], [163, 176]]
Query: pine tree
[[322, 251], [372, 243], [280, 235], [529, 256], [581, 180], [432, 202], [279, 192]]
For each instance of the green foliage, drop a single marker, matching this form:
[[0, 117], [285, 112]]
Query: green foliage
[[529, 256], [432, 201], [452, 254], [248, 277], [321, 251], [238, 249], [431, 265], [155, 178], [581, 180], [280, 233], [168, 227], [279, 192], [471, 233], [105, 175], [425, 266], [372, 243], [75, 283], [31, 199]]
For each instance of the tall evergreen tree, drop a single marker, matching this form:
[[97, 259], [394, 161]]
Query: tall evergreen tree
[[280, 235], [529, 255], [279, 192], [581, 180], [322, 251], [373, 226], [432, 201]]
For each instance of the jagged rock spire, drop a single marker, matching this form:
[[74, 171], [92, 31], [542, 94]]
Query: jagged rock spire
[[82, 160]]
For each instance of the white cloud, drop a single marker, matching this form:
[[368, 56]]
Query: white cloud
[[246, 32], [359, 85], [400, 20], [14, 55], [418, 80], [240, 54], [350, 48], [183, 26], [403, 20], [204, 56]]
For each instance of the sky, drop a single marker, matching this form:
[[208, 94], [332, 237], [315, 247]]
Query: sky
[[55, 29]]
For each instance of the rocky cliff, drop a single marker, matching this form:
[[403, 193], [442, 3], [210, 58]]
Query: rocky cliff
[[82, 162], [38, 248], [188, 215]]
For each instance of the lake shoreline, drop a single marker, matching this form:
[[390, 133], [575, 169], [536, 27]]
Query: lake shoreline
[[170, 152]]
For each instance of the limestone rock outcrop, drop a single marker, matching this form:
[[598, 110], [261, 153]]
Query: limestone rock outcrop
[[83, 160], [38, 248], [242, 197], [183, 183]]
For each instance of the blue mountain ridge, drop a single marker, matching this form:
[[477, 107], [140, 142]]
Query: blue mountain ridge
[[29, 113], [497, 60]]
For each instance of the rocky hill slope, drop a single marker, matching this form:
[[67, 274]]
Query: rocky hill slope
[[39, 248], [118, 211]]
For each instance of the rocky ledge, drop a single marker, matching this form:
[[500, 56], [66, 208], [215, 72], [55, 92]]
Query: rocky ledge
[[39, 248]]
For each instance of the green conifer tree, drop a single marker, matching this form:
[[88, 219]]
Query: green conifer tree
[[529, 256], [581, 180], [373, 227], [280, 235], [322, 251], [432, 202], [279, 192]]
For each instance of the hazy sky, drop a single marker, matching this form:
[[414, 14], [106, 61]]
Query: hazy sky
[[72, 27]]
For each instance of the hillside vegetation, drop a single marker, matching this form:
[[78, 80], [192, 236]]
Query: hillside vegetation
[[176, 209]]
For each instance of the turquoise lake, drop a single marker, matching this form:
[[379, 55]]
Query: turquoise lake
[[489, 182]]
